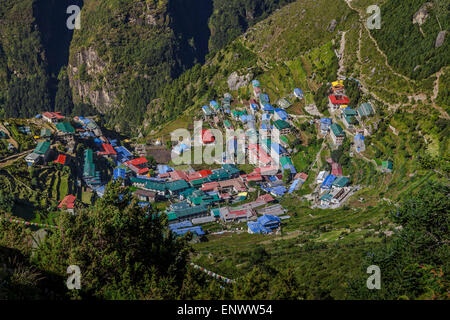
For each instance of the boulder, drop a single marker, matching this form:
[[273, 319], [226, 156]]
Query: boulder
[[332, 25], [440, 38]]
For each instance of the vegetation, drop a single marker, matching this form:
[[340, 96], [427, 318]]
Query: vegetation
[[410, 47]]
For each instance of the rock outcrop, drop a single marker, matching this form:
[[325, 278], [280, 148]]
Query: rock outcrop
[[422, 15], [235, 81]]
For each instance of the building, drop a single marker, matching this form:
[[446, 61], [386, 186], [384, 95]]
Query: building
[[280, 114], [286, 164], [387, 166], [52, 117], [336, 169], [325, 124], [214, 106], [41, 152], [264, 224], [284, 103], [335, 101], [321, 177], [139, 165], [337, 134], [365, 110], [231, 215], [207, 136], [267, 108], [187, 213], [299, 93], [207, 111], [258, 155], [359, 143], [62, 159], [68, 203], [349, 118], [65, 127], [144, 195], [108, 151], [327, 183], [340, 182], [45, 133], [282, 127], [90, 175]]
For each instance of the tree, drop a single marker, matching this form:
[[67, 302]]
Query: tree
[[287, 175], [123, 250], [63, 99], [414, 265], [6, 201]]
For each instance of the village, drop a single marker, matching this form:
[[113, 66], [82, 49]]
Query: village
[[224, 195]]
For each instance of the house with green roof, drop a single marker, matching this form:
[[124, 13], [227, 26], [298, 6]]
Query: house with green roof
[[3, 135], [188, 214], [41, 152], [326, 199], [284, 141], [227, 124], [387, 166], [45, 133], [204, 200], [284, 103], [160, 188], [219, 175], [176, 187], [42, 148], [231, 169], [365, 110], [90, 175], [282, 126], [337, 134], [65, 127], [341, 182]]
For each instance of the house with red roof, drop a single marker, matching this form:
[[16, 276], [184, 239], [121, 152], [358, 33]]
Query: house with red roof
[[336, 169], [68, 203], [178, 175], [266, 198], [302, 176], [62, 159], [108, 150], [258, 154], [138, 165], [52, 117], [207, 136], [335, 101]]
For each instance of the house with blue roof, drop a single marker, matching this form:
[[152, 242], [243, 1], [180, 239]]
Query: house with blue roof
[[214, 105], [278, 149], [198, 231], [266, 116], [280, 114], [180, 149], [268, 108], [207, 111], [325, 124], [298, 93], [264, 224], [328, 182], [359, 143]]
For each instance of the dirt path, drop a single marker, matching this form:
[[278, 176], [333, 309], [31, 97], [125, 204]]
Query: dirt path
[[11, 159], [436, 93], [362, 17], [341, 69]]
